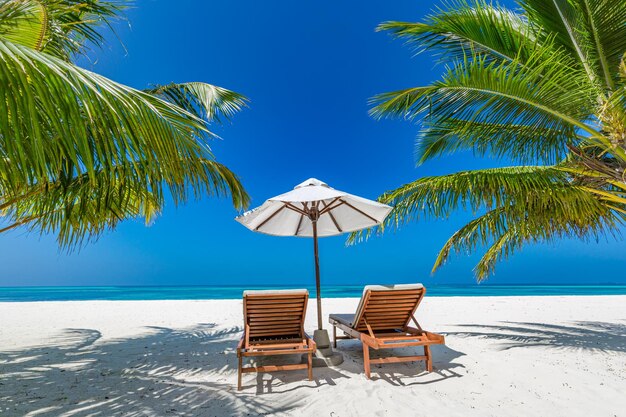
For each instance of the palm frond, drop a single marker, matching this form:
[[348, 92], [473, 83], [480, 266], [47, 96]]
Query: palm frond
[[24, 22], [439, 196], [593, 30], [465, 27], [59, 122], [78, 209], [76, 25], [62, 28], [205, 101], [523, 143], [479, 92], [503, 230], [519, 205], [545, 85]]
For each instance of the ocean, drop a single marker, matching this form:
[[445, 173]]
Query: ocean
[[233, 292]]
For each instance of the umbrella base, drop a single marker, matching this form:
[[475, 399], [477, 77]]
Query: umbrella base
[[324, 355]]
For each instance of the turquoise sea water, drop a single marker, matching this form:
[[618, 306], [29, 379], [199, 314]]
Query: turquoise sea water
[[229, 292]]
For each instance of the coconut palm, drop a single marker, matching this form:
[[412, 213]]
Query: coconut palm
[[79, 152], [543, 87]]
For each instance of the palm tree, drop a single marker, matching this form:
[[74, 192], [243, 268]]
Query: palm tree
[[79, 152], [543, 87]]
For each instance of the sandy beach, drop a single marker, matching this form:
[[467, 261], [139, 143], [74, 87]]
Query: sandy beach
[[505, 356]]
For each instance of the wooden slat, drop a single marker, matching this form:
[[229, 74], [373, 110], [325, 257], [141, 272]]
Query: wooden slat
[[296, 315], [256, 301], [286, 346], [274, 309], [385, 320], [394, 297], [385, 326], [392, 303], [276, 329], [381, 322], [284, 341], [382, 319], [276, 318], [395, 293], [392, 314], [271, 313], [276, 350], [397, 359], [275, 296], [390, 307], [262, 307], [399, 311], [400, 298], [257, 324], [401, 337], [274, 368], [295, 329], [277, 332], [392, 322]]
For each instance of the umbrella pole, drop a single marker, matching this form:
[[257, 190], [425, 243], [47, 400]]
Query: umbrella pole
[[317, 276]]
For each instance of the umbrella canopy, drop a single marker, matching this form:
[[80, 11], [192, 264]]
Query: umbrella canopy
[[313, 209]]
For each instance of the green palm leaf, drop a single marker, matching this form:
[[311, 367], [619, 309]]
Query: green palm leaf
[[24, 22], [519, 205], [593, 30], [544, 85], [466, 27], [80, 152], [205, 101]]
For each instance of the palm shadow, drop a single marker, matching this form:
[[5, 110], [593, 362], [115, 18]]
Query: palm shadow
[[166, 371], [288, 381], [163, 372], [581, 335]]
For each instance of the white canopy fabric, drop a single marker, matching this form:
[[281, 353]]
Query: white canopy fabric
[[290, 214]]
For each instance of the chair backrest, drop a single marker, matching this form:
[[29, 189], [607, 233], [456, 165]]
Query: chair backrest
[[387, 307], [274, 313]]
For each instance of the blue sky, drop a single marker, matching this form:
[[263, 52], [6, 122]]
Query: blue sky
[[308, 69]]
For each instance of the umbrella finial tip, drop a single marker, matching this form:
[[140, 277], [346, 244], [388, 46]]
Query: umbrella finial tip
[[311, 182]]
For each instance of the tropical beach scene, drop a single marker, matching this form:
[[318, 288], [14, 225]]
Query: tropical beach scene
[[243, 208]]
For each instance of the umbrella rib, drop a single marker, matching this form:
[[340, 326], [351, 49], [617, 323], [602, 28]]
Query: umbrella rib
[[296, 209], [359, 211], [330, 213], [299, 224], [256, 229], [333, 207], [326, 207]]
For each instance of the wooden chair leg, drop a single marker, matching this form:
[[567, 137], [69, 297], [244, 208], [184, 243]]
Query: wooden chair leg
[[366, 360], [335, 337], [239, 373], [429, 358], [310, 366]]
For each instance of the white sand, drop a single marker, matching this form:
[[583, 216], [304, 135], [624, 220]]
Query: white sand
[[505, 356]]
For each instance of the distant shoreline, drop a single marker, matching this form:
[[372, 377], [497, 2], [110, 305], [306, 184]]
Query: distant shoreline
[[137, 293]]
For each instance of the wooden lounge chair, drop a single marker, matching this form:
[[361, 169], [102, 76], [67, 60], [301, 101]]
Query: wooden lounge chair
[[274, 325], [382, 322]]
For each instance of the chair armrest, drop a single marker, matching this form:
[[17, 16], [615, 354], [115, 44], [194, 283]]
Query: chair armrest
[[310, 342], [240, 345]]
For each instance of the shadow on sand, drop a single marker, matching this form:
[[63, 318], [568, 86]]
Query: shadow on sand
[[402, 374], [170, 372], [581, 335], [164, 372]]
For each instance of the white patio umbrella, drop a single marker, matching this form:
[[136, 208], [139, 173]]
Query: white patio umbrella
[[313, 209]]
